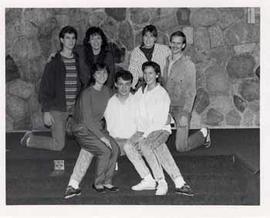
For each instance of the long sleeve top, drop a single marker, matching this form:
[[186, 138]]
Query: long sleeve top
[[90, 107], [52, 86], [152, 110], [86, 68], [120, 117], [180, 82], [137, 58]]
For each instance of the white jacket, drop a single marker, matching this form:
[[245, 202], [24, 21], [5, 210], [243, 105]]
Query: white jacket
[[153, 109]]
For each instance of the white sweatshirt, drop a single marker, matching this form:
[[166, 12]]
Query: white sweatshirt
[[153, 109], [120, 117]]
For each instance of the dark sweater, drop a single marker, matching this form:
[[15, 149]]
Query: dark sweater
[[106, 58], [52, 86], [90, 107]]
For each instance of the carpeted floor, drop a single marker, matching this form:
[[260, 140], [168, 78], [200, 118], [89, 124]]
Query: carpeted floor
[[217, 177]]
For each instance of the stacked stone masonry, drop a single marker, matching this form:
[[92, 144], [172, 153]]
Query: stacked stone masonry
[[223, 45]]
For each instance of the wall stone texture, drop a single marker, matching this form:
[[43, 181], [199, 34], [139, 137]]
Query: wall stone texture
[[223, 45]]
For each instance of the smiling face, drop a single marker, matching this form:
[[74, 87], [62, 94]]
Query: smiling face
[[150, 76], [149, 40], [123, 87], [101, 76], [68, 41], [95, 41], [177, 44]]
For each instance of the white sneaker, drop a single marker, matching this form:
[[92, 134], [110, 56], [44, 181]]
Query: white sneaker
[[162, 188], [149, 184]]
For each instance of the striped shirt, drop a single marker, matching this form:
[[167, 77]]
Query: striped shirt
[[71, 88]]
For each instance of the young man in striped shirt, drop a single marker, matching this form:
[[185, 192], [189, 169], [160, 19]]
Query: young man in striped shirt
[[59, 89]]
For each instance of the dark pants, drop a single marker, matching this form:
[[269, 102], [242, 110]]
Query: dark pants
[[106, 157], [183, 142]]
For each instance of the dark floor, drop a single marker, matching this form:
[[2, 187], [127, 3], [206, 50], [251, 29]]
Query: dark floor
[[225, 174]]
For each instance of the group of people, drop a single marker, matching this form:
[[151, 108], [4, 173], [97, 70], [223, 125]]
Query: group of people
[[128, 112]]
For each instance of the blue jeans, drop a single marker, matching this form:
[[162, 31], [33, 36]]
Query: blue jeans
[[183, 141], [92, 146], [58, 130]]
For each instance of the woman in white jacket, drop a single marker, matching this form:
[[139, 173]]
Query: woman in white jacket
[[152, 133], [149, 50]]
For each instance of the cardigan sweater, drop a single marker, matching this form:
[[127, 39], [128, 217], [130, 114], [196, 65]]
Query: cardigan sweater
[[137, 58]]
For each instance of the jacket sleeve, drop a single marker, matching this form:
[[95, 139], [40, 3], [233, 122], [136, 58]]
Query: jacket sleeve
[[160, 113], [47, 88], [189, 87], [134, 67], [87, 114]]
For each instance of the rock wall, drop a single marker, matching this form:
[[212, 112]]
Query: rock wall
[[221, 42]]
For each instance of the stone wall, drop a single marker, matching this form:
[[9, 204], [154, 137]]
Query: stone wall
[[221, 42]]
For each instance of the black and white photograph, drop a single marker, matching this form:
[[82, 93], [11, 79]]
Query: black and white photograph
[[133, 106]]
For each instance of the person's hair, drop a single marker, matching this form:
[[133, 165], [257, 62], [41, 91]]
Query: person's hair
[[180, 34], [156, 68], [91, 31], [67, 29], [124, 74], [150, 28], [89, 56], [96, 67]]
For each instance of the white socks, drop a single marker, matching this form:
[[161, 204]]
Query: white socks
[[179, 182], [204, 131], [73, 183]]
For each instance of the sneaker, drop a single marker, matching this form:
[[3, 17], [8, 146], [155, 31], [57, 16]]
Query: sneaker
[[185, 190], [72, 192], [145, 185], [25, 137], [162, 188], [207, 142]]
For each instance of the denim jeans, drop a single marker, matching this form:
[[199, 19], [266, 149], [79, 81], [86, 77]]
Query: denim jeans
[[58, 129], [91, 145], [183, 141], [155, 152]]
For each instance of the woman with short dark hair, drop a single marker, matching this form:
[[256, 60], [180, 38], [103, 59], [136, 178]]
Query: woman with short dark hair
[[94, 140]]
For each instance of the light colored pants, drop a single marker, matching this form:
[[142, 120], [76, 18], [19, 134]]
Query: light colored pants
[[183, 141], [91, 145], [58, 129], [155, 152]]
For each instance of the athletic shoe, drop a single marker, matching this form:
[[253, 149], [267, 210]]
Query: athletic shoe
[[111, 189], [99, 190], [148, 184], [185, 190], [162, 188], [207, 142], [72, 192], [25, 137]]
